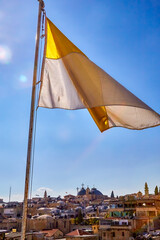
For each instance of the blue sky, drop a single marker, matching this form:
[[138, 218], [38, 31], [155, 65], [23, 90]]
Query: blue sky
[[122, 37]]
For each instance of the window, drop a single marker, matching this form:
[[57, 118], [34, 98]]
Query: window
[[104, 234], [56, 224], [122, 234], [152, 213], [113, 234]]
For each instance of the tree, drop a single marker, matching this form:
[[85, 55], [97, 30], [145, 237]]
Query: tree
[[45, 194], [80, 217], [146, 189], [93, 221], [112, 194], [156, 190]]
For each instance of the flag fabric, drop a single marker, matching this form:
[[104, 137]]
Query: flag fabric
[[70, 80]]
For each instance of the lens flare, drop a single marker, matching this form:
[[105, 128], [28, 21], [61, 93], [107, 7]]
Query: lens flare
[[23, 78], [5, 54]]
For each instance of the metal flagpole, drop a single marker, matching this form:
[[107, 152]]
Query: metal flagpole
[[31, 125]]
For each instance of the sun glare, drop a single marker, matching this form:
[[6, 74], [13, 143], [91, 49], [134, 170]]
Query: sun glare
[[5, 54]]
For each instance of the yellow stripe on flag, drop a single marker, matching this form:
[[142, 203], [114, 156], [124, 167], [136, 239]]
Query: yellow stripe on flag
[[58, 45], [99, 115]]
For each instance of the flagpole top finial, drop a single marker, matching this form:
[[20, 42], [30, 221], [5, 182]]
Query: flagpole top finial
[[42, 3]]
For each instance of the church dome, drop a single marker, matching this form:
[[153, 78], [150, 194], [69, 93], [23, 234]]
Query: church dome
[[82, 192], [95, 191]]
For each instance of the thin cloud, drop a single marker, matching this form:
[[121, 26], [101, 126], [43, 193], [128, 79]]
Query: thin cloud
[[50, 192], [40, 191], [14, 197]]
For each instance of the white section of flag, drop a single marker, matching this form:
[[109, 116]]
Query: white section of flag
[[75, 82]]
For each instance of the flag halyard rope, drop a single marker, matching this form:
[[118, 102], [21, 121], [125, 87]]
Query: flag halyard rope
[[36, 102]]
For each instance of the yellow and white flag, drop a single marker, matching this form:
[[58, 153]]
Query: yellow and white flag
[[72, 81]]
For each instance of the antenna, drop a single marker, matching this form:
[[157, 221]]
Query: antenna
[[10, 194]]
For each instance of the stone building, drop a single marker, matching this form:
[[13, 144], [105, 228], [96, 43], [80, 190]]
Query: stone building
[[141, 211], [114, 230], [29, 236], [47, 222], [52, 234], [9, 224], [80, 235]]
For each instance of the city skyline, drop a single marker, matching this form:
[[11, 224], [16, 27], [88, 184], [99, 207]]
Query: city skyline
[[120, 37], [50, 192]]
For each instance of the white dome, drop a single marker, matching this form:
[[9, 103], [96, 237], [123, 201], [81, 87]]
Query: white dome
[[43, 208], [45, 216]]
